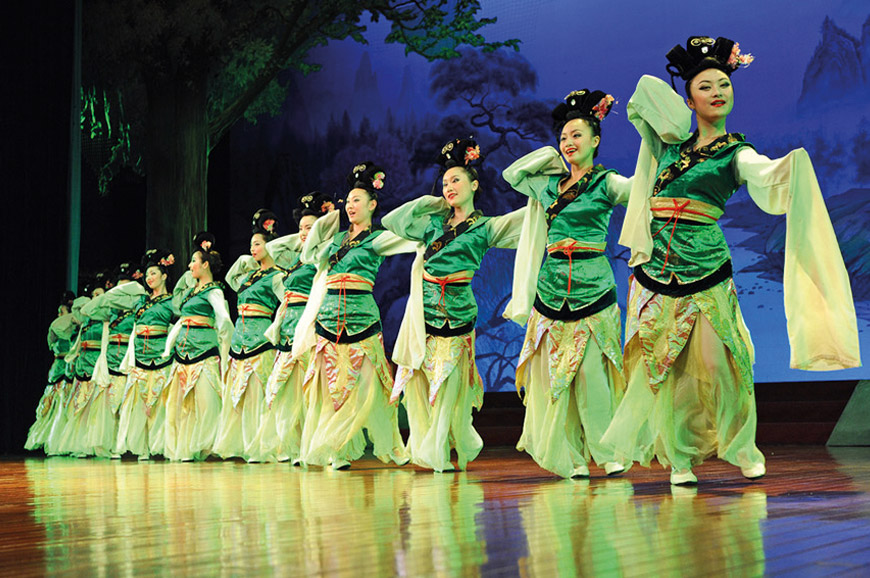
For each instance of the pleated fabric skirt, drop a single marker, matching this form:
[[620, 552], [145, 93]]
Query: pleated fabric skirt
[[572, 375], [690, 389], [439, 399], [347, 389], [193, 409]]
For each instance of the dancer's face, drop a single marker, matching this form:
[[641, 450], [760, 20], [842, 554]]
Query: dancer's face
[[457, 187], [155, 278], [305, 224], [360, 206], [198, 266], [711, 95], [258, 247], [577, 142]]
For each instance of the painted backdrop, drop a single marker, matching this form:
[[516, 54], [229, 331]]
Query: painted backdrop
[[807, 87]]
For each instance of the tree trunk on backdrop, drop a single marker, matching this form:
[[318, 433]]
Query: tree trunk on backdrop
[[177, 163]]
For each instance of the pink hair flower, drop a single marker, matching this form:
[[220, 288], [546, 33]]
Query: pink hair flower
[[737, 60], [472, 154], [378, 181], [601, 109], [206, 245], [269, 224], [137, 274]]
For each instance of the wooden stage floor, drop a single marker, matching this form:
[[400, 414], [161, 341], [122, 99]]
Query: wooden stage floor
[[504, 517]]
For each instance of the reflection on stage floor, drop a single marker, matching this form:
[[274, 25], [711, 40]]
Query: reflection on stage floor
[[505, 516]]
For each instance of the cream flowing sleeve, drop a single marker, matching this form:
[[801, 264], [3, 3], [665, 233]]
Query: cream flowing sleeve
[[819, 309], [661, 117], [284, 249], [244, 266], [530, 175], [224, 325], [410, 221], [315, 251]]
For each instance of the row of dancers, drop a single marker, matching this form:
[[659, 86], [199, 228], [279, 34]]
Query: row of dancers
[[303, 376]]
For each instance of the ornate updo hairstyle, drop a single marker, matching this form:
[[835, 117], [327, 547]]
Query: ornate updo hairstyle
[[264, 223], [590, 105], [369, 177], [701, 53], [460, 152], [163, 260], [314, 204], [66, 300], [203, 243], [126, 271]]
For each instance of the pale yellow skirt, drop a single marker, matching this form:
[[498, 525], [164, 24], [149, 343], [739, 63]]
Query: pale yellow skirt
[[347, 389], [193, 408], [690, 391], [244, 406], [280, 435], [439, 398], [142, 416], [572, 374]]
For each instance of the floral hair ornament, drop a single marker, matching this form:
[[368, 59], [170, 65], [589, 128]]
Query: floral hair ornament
[[588, 104], [137, 274], [701, 53], [736, 60], [264, 223], [367, 176], [460, 152], [167, 261], [203, 241], [315, 204]]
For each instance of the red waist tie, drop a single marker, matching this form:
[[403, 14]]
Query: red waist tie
[[568, 250], [677, 211]]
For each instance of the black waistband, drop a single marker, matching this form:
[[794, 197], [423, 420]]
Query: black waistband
[[240, 355], [675, 289], [373, 329], [447, 331], [191, 360], [83, 376], [567, 314], [58, 380], [153, 366], [348, 291], [576, 255], [285, 347], [115, 373]]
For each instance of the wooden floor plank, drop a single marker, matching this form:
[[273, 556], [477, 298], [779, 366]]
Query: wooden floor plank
[[504, 517]]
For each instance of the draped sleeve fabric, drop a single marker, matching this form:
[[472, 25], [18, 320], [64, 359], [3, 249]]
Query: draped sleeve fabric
[[820, 311], [244, 266], [662, 118], [530, 175]]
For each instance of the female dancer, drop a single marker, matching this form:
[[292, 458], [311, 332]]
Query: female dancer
[[51, 404], [143, 409], [348, 381], [115, 309], [571, 361], [72, 439], [688, 352], [437, 370], [200, 341], [280, 432], [260, 289]]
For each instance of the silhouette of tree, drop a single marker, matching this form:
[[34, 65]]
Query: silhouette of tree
[[188, 70]]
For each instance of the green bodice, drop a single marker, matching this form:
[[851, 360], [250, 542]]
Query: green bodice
[[696, 250], [354, 311], [585, 220], [256, 289]]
